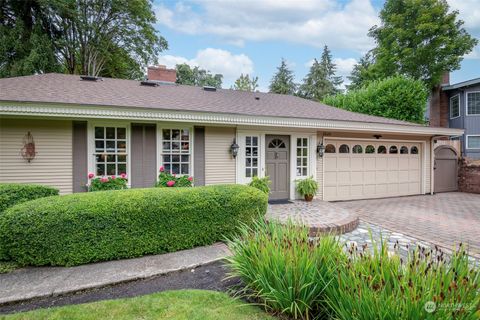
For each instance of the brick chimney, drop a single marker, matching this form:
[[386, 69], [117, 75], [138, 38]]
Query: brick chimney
[[439, 113], [161, 73]]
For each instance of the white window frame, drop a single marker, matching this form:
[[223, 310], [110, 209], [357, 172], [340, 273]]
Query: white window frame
[[241, 157], [459, 108], [180, 126], [466, 104], [302, 157], [91, 143], [468, 137]]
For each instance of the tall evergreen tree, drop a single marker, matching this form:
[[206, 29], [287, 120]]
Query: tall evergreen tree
[[363, 72], [321, 79], [244, 83], [283, 80]]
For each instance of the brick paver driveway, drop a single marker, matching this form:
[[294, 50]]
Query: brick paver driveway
[[443, 219]]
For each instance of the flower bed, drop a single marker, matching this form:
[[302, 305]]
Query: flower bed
[[168, 180], [105, 225]]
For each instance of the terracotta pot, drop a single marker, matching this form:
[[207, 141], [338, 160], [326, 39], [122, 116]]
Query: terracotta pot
[[308, 197]]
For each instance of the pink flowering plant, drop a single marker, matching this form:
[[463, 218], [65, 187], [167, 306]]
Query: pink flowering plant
[[168, 180], [107, 182]]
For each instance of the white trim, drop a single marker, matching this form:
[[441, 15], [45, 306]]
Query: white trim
[[217, 118], [91, 143], [466, 142], [432, 165], [450, 106], [466, 103]]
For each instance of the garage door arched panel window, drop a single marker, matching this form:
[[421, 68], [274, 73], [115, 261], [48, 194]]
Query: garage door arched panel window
[[413, 150], [403, 150], [357, 149], [382, 150], [330, 148], [344, 148], [370, 149], [393, 150]]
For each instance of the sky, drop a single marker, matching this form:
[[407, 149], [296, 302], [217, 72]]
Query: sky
[[250, 37]]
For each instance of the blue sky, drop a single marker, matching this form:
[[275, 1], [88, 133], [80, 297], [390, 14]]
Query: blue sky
[[251, 37]]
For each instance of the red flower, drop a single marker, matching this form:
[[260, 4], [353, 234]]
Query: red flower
[[104, 179], [190, 179], [113, 177], [170, 183], [162, 169], [123, 175], [91, 175]]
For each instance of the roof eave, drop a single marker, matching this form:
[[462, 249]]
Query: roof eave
[[102, 112]]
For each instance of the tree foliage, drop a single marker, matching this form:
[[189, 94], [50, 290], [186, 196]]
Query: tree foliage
[[245, 83], [397, 97], [114, 38], [197, 77], [421, 39], [363, 72], [283, 80], [321, 79]]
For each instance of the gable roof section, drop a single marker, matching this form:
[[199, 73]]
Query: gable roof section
[[463, 84], [70, 89]]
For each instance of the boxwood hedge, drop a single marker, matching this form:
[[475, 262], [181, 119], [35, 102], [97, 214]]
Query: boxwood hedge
[[106, 225], [14, 193]]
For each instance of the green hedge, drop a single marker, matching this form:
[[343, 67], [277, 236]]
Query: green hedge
[[106, 225], [14, 193]]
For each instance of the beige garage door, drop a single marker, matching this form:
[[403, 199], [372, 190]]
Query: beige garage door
[[371, 169]]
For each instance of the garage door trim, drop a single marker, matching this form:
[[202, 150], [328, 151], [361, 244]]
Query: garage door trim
[[423, 155]]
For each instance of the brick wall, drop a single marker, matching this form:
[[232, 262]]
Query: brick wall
[[161, 73], [438, 108], [469, 176]]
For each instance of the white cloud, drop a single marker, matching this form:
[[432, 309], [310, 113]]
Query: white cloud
[[216, 61], [310, 22], [469, 11]]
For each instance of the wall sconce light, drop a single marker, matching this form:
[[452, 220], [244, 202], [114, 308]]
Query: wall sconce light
[[234, 148], [28, 151], [320, 149], [377, 136]]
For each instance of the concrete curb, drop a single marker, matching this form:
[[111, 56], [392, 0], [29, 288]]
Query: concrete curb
[[39, 282]]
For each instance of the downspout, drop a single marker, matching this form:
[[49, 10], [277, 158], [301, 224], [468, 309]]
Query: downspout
[[432, 165]]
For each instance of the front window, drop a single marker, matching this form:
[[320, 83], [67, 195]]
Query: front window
[[302, 157], [454, 106], [176, 151], [473, 142], [110, 151], [251, 156], [473, 103]]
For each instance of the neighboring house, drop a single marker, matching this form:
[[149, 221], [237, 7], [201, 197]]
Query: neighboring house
[[458, 106], [112, 126]]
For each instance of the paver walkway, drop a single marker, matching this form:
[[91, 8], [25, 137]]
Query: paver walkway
[[319, 216], [29, 283], [445, 219]]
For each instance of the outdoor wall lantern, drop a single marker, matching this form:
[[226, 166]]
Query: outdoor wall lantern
[[320, 149], [234, 148], [28, 151]]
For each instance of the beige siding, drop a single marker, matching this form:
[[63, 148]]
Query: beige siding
[[53, 162], [320, 170], [219, 164]]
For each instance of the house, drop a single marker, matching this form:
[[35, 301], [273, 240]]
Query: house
[[56, 128], [458, 106]]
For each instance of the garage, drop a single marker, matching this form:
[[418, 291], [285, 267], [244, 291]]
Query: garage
[[363, 169]]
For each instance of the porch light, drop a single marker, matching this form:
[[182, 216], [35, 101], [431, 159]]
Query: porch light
[[320, 149], [234, 148]]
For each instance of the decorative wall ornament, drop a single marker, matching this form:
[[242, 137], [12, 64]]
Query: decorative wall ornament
[[28, 150]]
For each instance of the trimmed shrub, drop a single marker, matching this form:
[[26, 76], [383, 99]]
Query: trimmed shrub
[[105, 225], [397, 97], [14, 193], [283, 269]]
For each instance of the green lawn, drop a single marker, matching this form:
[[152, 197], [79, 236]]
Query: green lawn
[[178, 305]]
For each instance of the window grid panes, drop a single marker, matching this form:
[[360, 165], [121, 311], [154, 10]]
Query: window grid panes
[[454, 107], [302, 157], [473, 142], [251, 156], [473, 103], [110, 151], [176, 151]]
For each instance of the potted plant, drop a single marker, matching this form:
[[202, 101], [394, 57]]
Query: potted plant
[[307, 187]]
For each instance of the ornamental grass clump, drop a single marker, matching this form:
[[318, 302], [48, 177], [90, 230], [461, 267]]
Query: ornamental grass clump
[[282, 268], [380, 285]]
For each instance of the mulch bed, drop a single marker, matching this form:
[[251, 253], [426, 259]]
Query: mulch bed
[[207, 277]]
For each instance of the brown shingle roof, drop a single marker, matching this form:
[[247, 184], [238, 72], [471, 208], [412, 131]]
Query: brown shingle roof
[[70, 89]]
